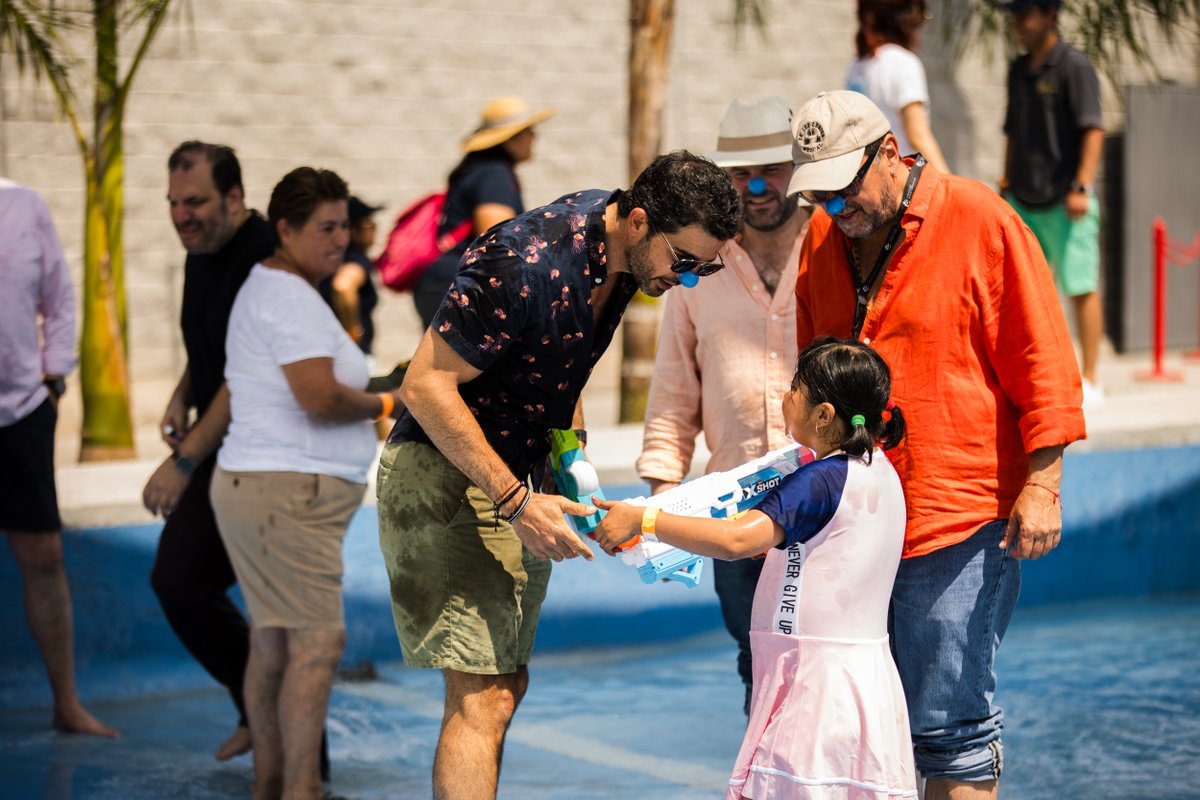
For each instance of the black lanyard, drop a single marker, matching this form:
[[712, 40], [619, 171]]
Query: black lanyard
[[862, 287]]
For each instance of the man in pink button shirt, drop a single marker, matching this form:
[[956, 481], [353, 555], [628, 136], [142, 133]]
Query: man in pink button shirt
[[37, 350], [728, 347]]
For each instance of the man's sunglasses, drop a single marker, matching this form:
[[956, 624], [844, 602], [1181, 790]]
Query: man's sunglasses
[[855, 186], [691, 263]]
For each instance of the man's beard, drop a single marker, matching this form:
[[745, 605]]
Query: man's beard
[[865, 223], [784, 211], [642, 269], [215, 235]]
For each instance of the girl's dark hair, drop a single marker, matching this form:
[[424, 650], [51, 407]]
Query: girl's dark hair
[[496, 153], [854, 379], [297, 195], [895, 21]]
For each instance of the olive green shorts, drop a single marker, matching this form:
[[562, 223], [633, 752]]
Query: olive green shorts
[[466, 595]]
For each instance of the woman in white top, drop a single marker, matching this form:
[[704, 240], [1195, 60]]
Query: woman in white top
[[290, 474], [889, 72]]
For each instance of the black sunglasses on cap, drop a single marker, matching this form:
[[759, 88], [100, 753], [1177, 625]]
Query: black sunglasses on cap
[[855, 186], [690, 263]]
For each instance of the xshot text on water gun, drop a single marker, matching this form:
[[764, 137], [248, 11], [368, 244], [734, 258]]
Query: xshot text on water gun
[[718, 495]]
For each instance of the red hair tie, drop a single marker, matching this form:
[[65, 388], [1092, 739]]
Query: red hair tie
[[886, 414]]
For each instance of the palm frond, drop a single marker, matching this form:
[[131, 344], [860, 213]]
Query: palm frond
[[154, 13], [32, 33], [1109, 32], [750, 12]]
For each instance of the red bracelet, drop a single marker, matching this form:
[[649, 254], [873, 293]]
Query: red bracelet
[[1057, 496], [509, 494]]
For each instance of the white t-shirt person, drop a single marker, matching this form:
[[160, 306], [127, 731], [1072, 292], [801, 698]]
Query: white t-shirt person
[[278, 319], [893, 78]]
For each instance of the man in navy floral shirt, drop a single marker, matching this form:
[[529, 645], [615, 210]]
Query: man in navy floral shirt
[[466, 540]]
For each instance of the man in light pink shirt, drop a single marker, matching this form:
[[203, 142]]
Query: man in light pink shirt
[[34, 359], [728, 346]]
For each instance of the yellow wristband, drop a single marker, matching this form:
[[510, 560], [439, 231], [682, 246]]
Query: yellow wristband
[[389, 403], [649, 517]]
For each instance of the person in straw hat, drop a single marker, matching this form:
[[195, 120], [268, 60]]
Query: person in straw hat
[[482, 188], [945, 281], [732, 387]]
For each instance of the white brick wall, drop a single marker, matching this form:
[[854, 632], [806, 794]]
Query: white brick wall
[[383, 90]]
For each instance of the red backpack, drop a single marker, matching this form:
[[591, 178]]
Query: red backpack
[[414, 244]]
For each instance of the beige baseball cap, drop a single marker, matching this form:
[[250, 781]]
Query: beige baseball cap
[[829, 134]]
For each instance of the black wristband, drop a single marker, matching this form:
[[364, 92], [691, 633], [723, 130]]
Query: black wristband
[[520, 508], [184, 465]]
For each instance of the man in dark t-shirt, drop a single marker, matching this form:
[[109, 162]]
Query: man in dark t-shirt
[[1055, 140], [192, 574]]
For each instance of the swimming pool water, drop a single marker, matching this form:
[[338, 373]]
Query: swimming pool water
[[1102, 702]]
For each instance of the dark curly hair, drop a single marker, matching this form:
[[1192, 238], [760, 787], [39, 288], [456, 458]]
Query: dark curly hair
[[854, 379], [297, 195], [681, 189]]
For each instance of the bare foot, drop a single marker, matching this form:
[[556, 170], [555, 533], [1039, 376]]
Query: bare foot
[[235, 745], [76, 719]]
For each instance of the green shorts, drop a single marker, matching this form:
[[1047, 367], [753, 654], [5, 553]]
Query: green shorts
[[466, 595], [1072, 247]]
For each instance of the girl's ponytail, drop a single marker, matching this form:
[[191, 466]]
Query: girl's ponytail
[[861, 440], [856, 381], [894, 428]]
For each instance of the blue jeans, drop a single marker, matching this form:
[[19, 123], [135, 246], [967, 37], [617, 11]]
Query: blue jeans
[[735, 582], [950, 609]]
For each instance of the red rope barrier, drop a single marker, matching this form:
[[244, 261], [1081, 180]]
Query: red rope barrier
[[1183, 254]]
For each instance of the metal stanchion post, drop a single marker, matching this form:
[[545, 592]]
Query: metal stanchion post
[[1160, 307]]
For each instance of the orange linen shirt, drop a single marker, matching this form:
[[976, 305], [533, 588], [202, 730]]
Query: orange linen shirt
[[982, 366], [726, 354]]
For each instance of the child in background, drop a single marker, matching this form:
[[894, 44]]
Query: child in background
[[828, 717]]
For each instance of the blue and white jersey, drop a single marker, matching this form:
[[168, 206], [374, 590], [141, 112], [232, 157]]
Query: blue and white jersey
[[843, 520]]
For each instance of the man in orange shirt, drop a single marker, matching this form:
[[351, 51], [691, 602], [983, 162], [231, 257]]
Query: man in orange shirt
[[944, 280]]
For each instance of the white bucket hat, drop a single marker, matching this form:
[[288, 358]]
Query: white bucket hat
[[755, 133], [829, 134]]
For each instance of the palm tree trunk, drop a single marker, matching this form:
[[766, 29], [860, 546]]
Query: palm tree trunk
[[107, 424], [652, 25]]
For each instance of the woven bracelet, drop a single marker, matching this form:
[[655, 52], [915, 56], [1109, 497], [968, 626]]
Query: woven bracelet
[[521, 507]]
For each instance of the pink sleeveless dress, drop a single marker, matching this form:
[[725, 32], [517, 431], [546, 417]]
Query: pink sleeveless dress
[[828, 719]]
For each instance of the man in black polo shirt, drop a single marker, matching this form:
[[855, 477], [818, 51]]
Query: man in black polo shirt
[[465, 538], [192, 574], [1055, 140]]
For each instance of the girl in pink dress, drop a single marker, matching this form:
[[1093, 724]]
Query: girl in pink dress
[[827, 719]]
